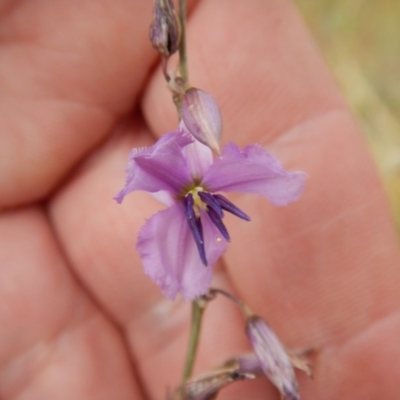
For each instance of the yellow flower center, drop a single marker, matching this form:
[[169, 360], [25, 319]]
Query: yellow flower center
[[198, 203]]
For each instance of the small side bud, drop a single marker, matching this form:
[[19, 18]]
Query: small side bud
[[202, 117], [247, 363], [165, 29], [207, 386], [274, 360]]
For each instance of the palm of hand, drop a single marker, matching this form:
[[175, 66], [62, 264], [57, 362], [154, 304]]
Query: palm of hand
[[79, 320]]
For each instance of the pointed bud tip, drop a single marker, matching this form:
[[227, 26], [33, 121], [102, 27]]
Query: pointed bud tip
[[274, 360], [202, 118]]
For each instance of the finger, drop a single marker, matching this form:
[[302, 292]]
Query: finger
[[54, 342], [364, 367], [68, 71]]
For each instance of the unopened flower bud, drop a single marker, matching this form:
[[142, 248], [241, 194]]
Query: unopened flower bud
[[274, 360], [205, 387], [165, 28], [202, 117]]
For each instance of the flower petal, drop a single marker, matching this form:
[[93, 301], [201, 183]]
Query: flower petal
[[162, 166], [170, 256], [198, 156], [167, 198], [253, 170]]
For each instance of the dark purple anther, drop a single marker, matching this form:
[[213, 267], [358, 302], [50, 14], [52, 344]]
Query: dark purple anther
[[211, 202], [195, 226], [230, 207], [217, 221]]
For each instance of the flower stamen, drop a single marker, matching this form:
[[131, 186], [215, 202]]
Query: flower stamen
[[217, 221], [211, 202], [195, 226], [198, 199], [227, 205]]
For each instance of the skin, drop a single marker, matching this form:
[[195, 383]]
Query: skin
[[80, 87]]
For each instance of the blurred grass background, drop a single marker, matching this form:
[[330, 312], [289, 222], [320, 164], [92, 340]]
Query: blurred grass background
[[360, 40]]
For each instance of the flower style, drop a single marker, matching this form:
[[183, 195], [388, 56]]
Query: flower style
[[179, 245]]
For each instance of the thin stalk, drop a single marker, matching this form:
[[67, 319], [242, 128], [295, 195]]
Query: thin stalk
[[198, 307], [181, 83], [245, 309], [183, 69], [214, 291]]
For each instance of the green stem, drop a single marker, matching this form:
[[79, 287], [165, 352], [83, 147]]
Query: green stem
[[198, 307], [183, 69]]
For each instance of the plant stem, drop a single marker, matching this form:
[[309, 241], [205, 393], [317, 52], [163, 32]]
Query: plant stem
[[214, 291], [198, 307], [183, 69], [245, 309], [181, 82]]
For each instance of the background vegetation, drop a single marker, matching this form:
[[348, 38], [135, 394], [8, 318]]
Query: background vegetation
[[360, 40]]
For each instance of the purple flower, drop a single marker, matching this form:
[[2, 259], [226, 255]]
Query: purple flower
[[180, 244]]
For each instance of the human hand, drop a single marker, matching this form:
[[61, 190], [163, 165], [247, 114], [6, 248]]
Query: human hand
[[79, 318]]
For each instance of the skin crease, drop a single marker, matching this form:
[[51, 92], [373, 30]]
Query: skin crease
[[80, 88]]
